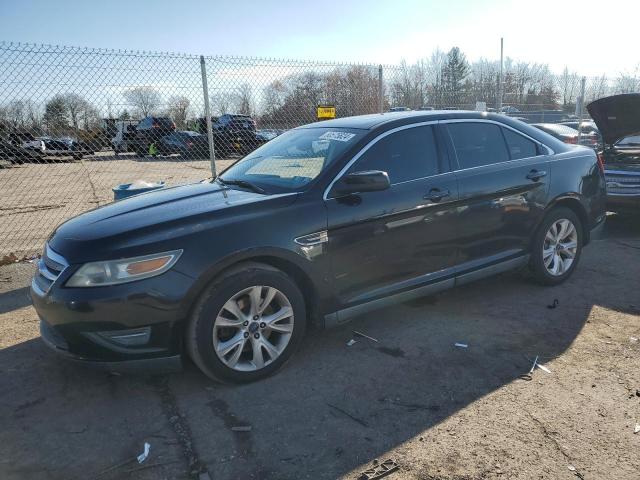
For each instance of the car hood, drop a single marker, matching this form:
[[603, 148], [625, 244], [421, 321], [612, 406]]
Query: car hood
[[156, 218], [617, 116]]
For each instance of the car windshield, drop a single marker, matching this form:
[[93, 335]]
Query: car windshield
[[291, 161]]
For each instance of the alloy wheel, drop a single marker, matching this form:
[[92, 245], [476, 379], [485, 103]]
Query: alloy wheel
[[253, 328], [560, 247]]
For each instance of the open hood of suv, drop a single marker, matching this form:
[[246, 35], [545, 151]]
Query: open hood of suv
[[617, 116]]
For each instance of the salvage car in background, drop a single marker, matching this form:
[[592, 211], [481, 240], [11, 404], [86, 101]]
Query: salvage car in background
[[618, 119], [567, 134], [185, 143], [147, 132], [47, 147], [324, 222]]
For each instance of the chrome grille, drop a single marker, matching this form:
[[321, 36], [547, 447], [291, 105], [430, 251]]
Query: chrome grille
[[50, 266], [623, 184]]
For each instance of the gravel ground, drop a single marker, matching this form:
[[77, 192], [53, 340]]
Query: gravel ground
[[440, 411], [34, 197]]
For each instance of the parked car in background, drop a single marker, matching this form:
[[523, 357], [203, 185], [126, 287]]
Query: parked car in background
[[568, 134], [232, 133], [16, 154], [588, 126], [618, 119], [148, 131], [186, 143], [509, 109], [44, 147], [324, 222], [123, 133], [267, 134]]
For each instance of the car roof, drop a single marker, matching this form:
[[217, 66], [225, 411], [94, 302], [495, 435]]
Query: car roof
[[374, 120], [389, 120]]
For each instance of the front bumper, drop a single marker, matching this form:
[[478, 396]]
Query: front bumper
[[144, 365], [130, 327]]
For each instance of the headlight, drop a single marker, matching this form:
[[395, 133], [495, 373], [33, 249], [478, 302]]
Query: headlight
[[113, 272]]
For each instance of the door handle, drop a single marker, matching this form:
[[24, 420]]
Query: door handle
[[435, 194], [536, 175]]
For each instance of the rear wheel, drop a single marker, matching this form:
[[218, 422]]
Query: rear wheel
[[246, 324], [557, 247]]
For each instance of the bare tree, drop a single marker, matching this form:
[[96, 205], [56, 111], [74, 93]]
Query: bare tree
[[145, 99], [244, 103], [76, 108], [221, 102], [178, 109]]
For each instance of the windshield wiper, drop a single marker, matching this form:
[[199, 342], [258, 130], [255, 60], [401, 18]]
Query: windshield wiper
[[243, 184]]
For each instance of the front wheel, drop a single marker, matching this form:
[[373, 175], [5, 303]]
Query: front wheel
[[246, 324], [557, 247]]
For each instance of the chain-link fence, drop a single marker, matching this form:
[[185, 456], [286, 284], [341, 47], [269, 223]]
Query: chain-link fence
[[77, 122]]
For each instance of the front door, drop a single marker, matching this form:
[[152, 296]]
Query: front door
[[391, 241]]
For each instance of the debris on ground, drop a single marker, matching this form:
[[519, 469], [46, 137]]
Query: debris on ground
[[633, 339], [241, 428], [9, 259], [379, 470], [350, 342], [360, 334], [554, 304], [637, 429], [543, 368], [528, 376], [352, 417], [143, 456], [461, 345]]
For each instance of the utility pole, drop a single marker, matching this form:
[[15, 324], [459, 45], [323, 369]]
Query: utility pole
[[499, 100]]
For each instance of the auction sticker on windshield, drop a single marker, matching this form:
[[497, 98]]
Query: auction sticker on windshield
[[338, 136]]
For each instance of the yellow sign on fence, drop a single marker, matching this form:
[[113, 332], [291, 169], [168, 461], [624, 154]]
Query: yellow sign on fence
[[326, 112]]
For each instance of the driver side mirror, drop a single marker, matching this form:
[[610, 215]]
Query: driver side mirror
[[360, 182]]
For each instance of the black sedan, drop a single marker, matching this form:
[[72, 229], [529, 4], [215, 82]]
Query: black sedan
[[186, 143], [323, 223]]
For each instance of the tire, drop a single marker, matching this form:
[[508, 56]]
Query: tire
[[549, 255], [205, 336]]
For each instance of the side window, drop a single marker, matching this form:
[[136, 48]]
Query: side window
[[405, 155], [519, 146], [478, 144]]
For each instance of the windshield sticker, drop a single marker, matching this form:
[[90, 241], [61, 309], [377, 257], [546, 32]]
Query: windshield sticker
[[338, 136]]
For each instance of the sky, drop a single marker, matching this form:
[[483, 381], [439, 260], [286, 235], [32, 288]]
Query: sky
[[590, 37]]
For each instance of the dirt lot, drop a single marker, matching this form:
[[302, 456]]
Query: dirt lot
[[34, 197], [441, 412]]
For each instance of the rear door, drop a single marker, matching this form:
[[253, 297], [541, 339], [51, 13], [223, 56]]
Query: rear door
[[401, 238], [503, 179]]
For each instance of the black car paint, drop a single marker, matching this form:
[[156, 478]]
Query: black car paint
[[381, 245]]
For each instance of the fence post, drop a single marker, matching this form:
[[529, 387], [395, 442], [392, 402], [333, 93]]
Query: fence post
[[581, 108], [207, 114], [380, 90]]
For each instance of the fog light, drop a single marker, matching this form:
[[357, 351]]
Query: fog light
[[127, 338]]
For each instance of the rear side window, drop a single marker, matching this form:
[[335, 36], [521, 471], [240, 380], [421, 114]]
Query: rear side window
[[519, 146], [478, 144], [405, 155]]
